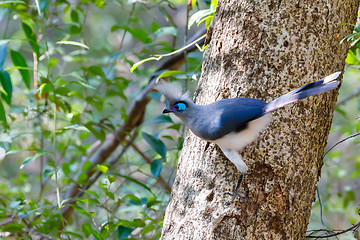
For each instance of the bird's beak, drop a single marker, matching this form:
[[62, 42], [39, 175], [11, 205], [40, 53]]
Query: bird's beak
[[167, 110]]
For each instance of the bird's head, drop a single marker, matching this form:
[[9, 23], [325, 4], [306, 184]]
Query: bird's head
[[176, 108], [178, 102]]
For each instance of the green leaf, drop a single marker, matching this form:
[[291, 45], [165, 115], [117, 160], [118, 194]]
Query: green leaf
[[156, 144], [156, 167], [80, 210], [44, 4], [83, 177], [196, 17], [63, 91], [12, 1], [349, 197], [48, 173], [79, 236], [98, 133], [87, 229], [144, 61], [7, 86], [111, 179], [13, 227], [103, 168], [2, 115], [66, 168], [72, 43], [19, 61], [31, 37], [133, 198], [352, 58], [32, 158], [86, 86], [357, 126], [110, 195], [77, 127], [166, 31], [175, 126], [86, 166], [134, 223], [169, 73], [133, 180], [96, 71], [123, 232], [92, 193], [99, 3], [74, 15], [44, 88]]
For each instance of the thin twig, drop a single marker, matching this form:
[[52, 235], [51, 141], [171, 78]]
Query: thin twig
[[148, 160], [335, 232]]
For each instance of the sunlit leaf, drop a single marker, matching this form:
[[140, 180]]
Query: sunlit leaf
[[102, 168], [352, 58], [32, 158], [358, 126], [111, 179], [73, 43], [143, 61]]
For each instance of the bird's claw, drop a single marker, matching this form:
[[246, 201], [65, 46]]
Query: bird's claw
[[236, 193]]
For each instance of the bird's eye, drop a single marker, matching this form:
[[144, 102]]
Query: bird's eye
[[179, 107]]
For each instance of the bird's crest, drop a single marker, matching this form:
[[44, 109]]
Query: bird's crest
[[172, 91]]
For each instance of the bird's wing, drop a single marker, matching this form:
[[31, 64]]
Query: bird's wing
[[230, 115]]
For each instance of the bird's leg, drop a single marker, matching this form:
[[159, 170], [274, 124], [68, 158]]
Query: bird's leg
[[236, 193]]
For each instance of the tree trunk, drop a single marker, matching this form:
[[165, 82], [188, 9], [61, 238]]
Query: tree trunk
[[262, 49]]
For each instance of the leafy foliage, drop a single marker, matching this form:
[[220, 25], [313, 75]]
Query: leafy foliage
[[65, 88]]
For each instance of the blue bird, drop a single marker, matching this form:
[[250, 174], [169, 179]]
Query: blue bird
[[235, 122]]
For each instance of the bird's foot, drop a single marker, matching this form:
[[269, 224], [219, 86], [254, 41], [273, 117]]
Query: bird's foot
[[236, 193]]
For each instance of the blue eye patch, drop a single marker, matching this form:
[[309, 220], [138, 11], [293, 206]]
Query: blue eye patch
[[179, 107]]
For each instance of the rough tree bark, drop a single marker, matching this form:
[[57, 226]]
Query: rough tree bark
[[262, 49]]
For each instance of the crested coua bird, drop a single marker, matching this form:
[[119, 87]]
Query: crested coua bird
[[233, 123]]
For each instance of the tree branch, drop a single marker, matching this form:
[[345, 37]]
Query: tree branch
[[135, 118]]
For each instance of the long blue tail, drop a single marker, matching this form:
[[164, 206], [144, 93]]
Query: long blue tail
[[305, 91]]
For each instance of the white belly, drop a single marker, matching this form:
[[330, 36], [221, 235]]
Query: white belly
[[238, 140]]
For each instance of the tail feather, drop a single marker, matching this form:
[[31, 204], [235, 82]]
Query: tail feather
[[321, 86]]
